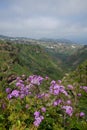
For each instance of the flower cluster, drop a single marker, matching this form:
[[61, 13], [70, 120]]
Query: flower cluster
[[57, 96], [84, 88], [43, 109], [8, 90], [21, 89], [68, 102], [70, 87], [14, 93], [69, 110], [38, 118], [36, 80], [79, 94], [82, 114], [56, 89], [57, 102]]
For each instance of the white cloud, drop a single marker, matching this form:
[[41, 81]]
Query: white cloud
[[40, 18], [56, 7]]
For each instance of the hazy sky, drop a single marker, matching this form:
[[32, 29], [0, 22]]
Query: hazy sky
[[44, 18]]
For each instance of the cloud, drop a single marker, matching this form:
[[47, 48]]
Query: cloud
[[56, 7], [44, 18]]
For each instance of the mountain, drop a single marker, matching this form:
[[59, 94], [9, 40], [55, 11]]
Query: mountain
[[49, 40], [9, 66], [78, 57], [3, 37], [39, 58], [69, 56], [56, 40], [78, 76]]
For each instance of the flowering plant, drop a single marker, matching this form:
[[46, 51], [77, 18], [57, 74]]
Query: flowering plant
[[29, 105]]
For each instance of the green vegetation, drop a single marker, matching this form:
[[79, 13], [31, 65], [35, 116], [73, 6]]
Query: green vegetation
[[17, 108], [38, 60], [22, 58]]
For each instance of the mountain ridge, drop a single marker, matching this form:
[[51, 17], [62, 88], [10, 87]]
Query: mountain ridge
[[56, 40]]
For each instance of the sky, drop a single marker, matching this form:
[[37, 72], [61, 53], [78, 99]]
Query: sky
[[44, 19]]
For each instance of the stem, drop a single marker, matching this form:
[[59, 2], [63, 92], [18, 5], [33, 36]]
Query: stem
[[64, 119]]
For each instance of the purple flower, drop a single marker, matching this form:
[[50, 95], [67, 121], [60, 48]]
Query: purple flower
[[51, 89], [15, 93], [41, 95], [36, 123], [79, 94], [38, 118], [9, 96], [81, 87], [46, 77], [18, 78], [69, 110], [46, 96], [55, 89], [59, 81], [8, 90], [53, 82], [68, 102], [3, 106], [82, 114], [22, 96], [41, 117], [21, 81], [36, 114], [70, 87], [18, 84], [57, 102], [63, 91], [43, 109], [36, 80], [85, 88]]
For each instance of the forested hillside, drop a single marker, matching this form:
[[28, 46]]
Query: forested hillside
[[29, 59], [42, 89]]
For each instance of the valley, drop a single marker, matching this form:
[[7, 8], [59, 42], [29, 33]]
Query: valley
[[29, 73]]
